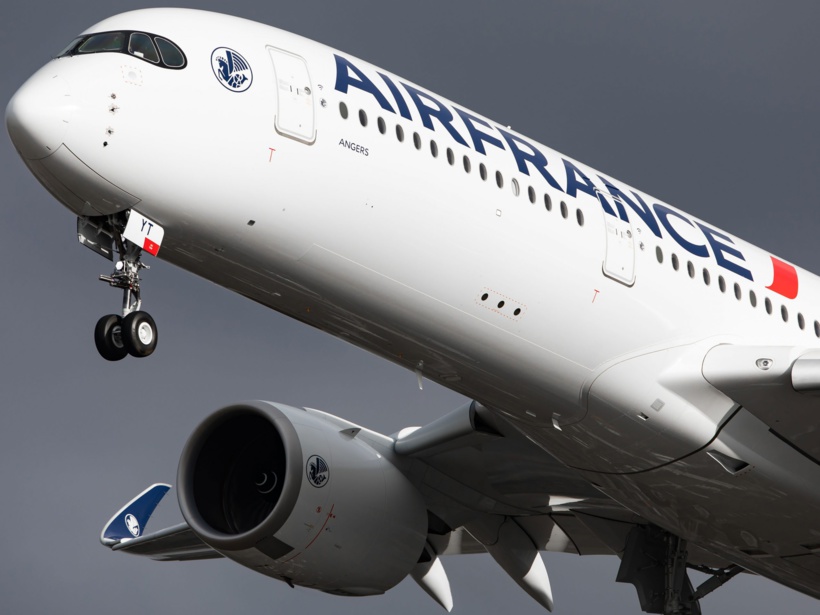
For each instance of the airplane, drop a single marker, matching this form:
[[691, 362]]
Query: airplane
[[643, 382]]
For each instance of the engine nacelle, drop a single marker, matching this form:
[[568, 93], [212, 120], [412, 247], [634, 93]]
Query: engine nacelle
[[291, 495]]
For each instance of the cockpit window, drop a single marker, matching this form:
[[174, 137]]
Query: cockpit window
[[72, 45], [171, 55], [140, 45], [109, 41]]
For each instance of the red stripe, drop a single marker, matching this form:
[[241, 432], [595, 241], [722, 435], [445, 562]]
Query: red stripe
[[785, 279]]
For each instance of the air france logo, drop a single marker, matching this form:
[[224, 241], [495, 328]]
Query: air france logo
[[132, 524], [231, 69], [318, 472]]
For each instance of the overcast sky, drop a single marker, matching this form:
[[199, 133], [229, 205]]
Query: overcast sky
[[709, 105]]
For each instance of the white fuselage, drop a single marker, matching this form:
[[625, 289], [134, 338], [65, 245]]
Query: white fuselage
[[551, 293]]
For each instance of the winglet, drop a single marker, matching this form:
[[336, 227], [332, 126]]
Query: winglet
[[130, 521]]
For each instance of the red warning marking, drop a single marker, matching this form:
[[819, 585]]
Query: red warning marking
[[595, 296], [271, 154], [785, 279], [330, 516], [150, 247]]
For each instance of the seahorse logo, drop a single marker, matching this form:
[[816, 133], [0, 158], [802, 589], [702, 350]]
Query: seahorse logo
[[318, 472], [132, 524], [231, 69]]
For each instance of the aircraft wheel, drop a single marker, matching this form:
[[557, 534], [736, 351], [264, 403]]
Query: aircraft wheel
[[139, 334], [109, 339]]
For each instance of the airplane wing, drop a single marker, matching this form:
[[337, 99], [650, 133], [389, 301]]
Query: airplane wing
[[124, 532], [477, 464], [174, 544]]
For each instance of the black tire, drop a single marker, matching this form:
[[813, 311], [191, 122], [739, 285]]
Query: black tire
[[109, 339], [139, 334]]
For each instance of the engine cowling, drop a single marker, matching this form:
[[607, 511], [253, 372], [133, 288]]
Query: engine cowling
[[289, 494]]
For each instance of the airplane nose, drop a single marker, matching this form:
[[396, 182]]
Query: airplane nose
[[38, 115]]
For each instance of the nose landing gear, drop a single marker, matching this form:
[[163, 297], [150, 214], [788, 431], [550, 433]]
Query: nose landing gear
[[134, 332]]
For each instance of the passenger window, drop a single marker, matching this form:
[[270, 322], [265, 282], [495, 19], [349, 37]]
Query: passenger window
[[108, 41], [140, 45], [171, 54]]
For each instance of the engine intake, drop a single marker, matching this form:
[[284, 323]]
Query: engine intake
[[298, 496]]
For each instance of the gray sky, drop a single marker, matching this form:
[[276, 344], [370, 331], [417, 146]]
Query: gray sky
[[711, 106]]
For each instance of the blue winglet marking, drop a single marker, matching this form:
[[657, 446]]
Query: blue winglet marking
[[130, 521]]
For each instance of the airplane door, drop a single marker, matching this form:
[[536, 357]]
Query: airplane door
[[295, 116], [619, 262]]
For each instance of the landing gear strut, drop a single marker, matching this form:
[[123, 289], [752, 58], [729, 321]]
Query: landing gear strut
[[655, 563], [133, 332]]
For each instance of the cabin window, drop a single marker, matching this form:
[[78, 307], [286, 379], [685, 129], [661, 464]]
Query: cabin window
[[417, 140], [675, 262], [451, 158], [738, 294], [482, 170], [499, 179], [362, 117], [690, 268], [434, 149], [343, 110], [707, 277], [659, 254], [516, 189], [801, 322], [721, 284], [399, 133], [768, 304], [564, 210], [816, 329], [382, 125], [753, 298], [579, 217], [466, 162], [531, 194], [784, 313], [547, 202]]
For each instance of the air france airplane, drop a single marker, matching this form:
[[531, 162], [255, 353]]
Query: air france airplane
[[645, 384]]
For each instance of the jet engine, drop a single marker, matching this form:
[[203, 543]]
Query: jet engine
[[300, 497]]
